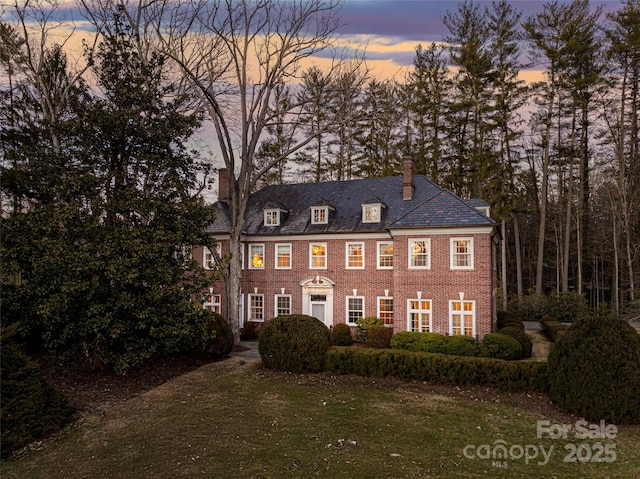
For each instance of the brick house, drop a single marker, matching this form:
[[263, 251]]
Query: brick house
[[402, 248]]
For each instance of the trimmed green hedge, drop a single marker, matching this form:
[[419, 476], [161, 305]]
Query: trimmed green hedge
[[522, 337], [553, 328], [501, 346], [436, 343], [341, 335], [438, 368]]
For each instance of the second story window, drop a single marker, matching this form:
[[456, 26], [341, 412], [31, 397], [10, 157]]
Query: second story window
[[256, 256], [355, 255], [461, 253], [272, 217], [283, 256], [419, 254], [319, 215], [208, 258], [385, 255], [318, 256]]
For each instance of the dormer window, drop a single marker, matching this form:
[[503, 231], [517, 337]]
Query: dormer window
[[319, 215], [272, 217], [372, 213], [484, 210]]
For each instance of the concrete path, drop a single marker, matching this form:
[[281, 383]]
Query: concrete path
[[251, 351]]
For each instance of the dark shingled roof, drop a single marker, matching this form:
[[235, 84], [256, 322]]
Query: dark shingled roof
[[431, 206]]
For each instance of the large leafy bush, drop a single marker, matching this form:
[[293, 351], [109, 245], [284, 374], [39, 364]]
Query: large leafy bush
[[341, 335], [594, 371], [523, 338], [501, 346], [296, 343], [363, 325]]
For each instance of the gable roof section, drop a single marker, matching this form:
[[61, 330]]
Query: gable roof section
[[431, 206]]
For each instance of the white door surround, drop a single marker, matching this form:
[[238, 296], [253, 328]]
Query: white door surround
[[317, 298]]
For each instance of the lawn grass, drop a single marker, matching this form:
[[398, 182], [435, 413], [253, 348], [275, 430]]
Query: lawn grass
[[231, 419]]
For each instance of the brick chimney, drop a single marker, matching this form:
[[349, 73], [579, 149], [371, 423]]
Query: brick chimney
[[407, 183], [223, 185]]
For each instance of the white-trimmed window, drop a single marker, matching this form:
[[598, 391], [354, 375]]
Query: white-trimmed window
[[256, 307], [272, 217], [462, 318], [385, 310], [371, 213], [420, 253], [213, 303], [256, 256], [419, 315], [385, 255], [355, 255], [282, 304], [283, 256], [318, 256], [208, 259], [319, 215], [461, 253], [355, 309]]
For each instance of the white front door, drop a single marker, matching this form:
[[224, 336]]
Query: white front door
[[317, 299], [317, 310]]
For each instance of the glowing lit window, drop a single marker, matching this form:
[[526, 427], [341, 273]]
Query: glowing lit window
[[462, 318], [256, 253], [318, 256], [420, 253], [385, 255], [385, 310], [355, 255], [212, 303], [283, 256], [419, 315]]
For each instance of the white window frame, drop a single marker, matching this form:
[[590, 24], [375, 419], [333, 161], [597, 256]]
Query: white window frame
[[324, 211], [311, 256], [276, 307], [347, 310], [462, 314], [453, 253], [272, 217], [410, 255], [251, 308], [213, 303], [242, 255], [348, 255], [378, 255], [421, 312], [206, 252], [366, 218], [251, 254], [277, 254], [380, 312]]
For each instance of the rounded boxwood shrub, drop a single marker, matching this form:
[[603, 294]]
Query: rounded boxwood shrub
[[460, 346], [363, 325], [379, 337], [341, 335], [523, 338], [219, 335], [594, 371], [501, 346], [296, 343], [30, 407], [416, 341]]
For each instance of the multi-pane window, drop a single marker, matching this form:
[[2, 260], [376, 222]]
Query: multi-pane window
[[256, 307], [256, 256], [461, 253], [420, 253], [419, 315], [462, 318], [355, 308], [371, 213], [385, 255], [283, 256], [319, 215], [385, 310], [272, 217], [208, 258], [283, 304], [212, 303], [318, 256], [355, 255]]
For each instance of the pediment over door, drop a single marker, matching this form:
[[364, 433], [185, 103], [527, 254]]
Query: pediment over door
[[317, 282]]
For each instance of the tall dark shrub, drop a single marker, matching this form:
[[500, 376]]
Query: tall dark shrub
[[379, 337], [594, 371], [219, 335], [296, 343], [523, 338], [31, 408], [341, 335]]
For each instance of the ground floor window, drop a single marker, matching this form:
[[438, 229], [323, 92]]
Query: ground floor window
[[355, 308], [419, 315], [385, 310], [256, 307], [462, 318], [213, 303], [283, 304]]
